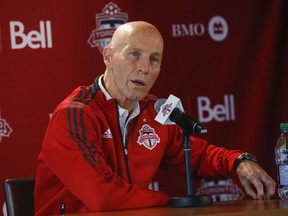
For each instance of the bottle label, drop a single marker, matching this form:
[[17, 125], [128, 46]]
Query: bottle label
[[283, 175]]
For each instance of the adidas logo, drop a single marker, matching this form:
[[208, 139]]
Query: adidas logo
[[107, 134]]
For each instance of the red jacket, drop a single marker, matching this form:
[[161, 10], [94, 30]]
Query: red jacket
[[83, 167]]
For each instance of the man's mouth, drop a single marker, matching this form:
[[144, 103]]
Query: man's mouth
[[138, 82]]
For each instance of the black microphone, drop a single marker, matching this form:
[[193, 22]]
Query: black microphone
[[186, 122]]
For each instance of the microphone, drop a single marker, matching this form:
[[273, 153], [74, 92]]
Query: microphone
[[186, 122]]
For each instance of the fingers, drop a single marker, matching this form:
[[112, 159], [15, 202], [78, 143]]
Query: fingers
[[259, 187], [248, 189], [264, 185], [251, 174], [270, 186]]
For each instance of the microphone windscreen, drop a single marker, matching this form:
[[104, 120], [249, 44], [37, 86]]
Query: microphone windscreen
[[159, 103]]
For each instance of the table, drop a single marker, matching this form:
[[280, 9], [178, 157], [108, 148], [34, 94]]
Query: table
[[273, 207]]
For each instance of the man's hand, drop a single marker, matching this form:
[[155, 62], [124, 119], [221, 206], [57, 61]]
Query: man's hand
[[250, 173]]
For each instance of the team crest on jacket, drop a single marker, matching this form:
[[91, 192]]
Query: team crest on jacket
[[148, 137]]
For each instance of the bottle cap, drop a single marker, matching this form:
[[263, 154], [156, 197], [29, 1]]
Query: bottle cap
[[284, 126]]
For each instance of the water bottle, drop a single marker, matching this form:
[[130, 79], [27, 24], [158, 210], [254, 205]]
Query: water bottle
[[281, 156]]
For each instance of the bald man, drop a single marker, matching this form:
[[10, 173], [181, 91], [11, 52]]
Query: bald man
[[103, 147]]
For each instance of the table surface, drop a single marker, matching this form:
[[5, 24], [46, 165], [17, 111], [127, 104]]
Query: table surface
[[273, 207]]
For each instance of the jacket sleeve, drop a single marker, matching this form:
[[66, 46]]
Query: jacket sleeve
[[207, 160], [72, 151]]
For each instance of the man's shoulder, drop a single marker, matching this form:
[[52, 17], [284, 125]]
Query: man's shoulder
[[79, 98]]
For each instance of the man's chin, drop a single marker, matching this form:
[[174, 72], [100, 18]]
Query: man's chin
[[137, 97]]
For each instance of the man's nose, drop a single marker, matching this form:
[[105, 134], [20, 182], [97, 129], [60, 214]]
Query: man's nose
[[143, 65]]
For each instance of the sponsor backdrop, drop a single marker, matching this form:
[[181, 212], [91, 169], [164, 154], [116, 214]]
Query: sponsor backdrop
[[226, 60]]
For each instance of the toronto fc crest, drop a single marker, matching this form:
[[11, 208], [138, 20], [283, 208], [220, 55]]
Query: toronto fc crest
[[5, 129], [148, 137], [106, 23]]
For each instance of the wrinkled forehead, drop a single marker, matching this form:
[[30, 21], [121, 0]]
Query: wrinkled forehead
[[145, 38]]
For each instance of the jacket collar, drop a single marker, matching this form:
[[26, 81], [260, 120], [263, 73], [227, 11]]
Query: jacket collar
[[104, 96]]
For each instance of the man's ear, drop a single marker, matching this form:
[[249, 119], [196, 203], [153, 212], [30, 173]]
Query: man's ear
[[107, 55]]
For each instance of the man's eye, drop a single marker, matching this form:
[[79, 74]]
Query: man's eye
[[154, 60], [135, 54]]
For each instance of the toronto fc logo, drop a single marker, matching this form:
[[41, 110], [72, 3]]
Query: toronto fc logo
[[148, 137], [221, 190], [106, 23], [166, 109], [5, 129]]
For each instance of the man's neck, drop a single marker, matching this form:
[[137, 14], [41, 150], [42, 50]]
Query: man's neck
[[126, 104], [122, 102]]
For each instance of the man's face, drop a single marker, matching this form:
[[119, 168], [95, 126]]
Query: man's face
[[134, 65]]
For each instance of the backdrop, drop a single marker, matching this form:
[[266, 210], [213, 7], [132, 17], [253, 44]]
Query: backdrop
[[226, 60]]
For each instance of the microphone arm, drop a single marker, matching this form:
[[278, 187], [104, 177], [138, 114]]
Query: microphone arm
[[188, 125]]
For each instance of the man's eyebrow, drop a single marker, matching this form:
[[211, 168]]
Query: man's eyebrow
[[157, 54], [141, 50], [134, 48]]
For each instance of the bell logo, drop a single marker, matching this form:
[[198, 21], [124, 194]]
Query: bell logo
[[220, 112], [34, 39]]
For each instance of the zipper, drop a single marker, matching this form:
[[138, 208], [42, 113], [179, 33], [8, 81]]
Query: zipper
[[124, 147], [62, 208], [123, 139], [125, 142], [127, 165]]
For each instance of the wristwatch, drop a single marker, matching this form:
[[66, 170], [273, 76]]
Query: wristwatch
[[242, 157]]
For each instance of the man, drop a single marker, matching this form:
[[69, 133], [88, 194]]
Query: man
[[94, 156]]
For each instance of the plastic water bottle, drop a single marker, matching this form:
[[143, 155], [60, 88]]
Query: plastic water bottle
[[281, 156]]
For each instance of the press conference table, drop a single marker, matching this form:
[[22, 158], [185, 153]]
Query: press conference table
[[273, 207]]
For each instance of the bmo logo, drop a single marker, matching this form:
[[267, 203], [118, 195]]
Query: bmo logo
[[219, 112], [35, 39]]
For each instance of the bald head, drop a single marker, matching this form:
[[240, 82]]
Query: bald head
[[135, 29], [133, 61]]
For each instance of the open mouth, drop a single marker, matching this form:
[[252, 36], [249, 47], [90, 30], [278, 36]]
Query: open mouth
[[138, 83]]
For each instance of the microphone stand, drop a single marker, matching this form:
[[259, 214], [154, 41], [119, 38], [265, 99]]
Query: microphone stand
[[190, 200]]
